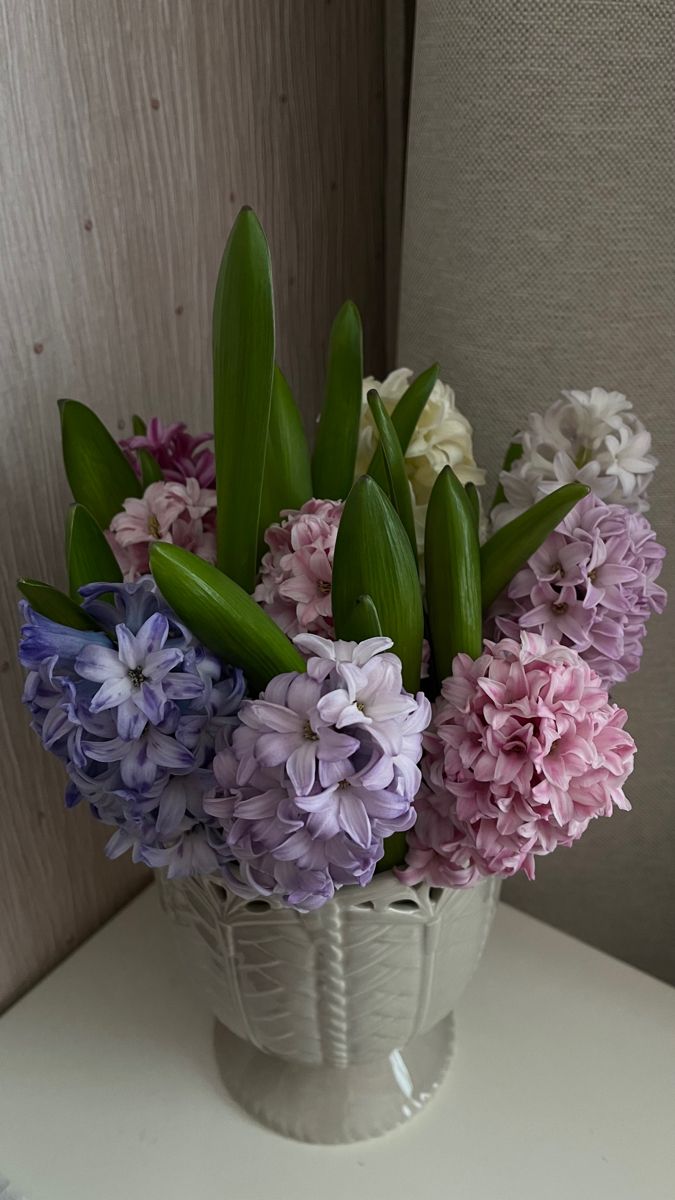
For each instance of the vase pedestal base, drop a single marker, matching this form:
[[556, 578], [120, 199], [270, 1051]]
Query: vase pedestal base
[[333, 1105]]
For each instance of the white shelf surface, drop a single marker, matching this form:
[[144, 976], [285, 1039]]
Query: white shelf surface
[[562, 1086]]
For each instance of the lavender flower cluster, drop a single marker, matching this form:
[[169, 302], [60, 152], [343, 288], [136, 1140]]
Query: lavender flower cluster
[[321, 769], [133, 710], [592, 586]]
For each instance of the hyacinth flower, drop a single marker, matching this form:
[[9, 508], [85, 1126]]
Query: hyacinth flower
[[135, 720], [179, 455], [182, 513], [301, 574], [322, 768], [442, 437], [593, 437], [591, 586], [296, 573], [523, 751]]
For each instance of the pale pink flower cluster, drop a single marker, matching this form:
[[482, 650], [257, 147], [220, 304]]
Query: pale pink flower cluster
[[182, 513], [524, 750], [296, 574]]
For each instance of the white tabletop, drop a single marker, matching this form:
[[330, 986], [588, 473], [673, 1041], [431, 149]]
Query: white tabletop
[[562, 1086]]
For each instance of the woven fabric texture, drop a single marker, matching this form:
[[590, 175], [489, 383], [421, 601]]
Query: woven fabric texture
[[538, 253]]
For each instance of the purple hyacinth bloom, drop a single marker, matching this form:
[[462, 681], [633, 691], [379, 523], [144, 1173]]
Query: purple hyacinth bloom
[[591, 585], [304, 805], [42, 639], [131, 604], [134, 713], [137, 679]]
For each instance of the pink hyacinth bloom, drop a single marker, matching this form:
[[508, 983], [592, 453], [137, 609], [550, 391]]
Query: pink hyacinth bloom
[[296, 574], [182, 513], [180, 455], [523, 751]]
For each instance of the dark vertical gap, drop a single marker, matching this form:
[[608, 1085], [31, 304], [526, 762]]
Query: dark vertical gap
[[399, 30]]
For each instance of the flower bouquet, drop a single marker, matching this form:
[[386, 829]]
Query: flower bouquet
[[332, 699]]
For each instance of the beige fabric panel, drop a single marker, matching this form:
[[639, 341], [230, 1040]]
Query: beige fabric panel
[[539, 247], [130, 135]]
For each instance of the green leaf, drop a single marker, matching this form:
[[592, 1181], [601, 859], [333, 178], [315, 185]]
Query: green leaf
[[512, 455], [99, 475], [151, 472], [243, 368], [88, 555], [511, 546], [363, 621], [406, 416], [50, 602], [287, 482], [452, 569], [396, 486], [373, 557], [223, 616], [337, 437], [474, 502], [395, 848]]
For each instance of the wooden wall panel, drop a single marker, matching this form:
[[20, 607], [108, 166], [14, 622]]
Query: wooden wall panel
[[130, 135]]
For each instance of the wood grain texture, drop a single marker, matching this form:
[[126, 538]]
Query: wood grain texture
[[132, 133]]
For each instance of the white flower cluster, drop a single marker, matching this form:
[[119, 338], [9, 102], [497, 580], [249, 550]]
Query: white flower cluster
[[443, 436], [593, 437]]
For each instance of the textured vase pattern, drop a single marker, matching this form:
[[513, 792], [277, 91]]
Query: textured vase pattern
[[343, 989]]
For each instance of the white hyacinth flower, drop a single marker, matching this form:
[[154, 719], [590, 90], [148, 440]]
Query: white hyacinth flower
[[593, 437], [442, 437]]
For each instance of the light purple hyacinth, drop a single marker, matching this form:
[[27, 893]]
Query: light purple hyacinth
[[322, 768], [133, 713], [591, 585]]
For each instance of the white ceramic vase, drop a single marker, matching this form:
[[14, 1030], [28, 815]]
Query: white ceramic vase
[[336, 1025]]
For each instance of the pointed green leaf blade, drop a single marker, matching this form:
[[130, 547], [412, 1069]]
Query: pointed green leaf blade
[[452, 569], [337, 437], [223, 616], [243, 367], [50, 602], [88, 555], [510, 547], [474, 502], [99, 475], [287, 482], [406, 416], [512, 455], [373, 557], [363, 621], [151, 472], [397, 487]]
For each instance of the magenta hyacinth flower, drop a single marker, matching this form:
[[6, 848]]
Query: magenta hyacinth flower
[[180, 455], [524, 750], [591, 585], [310, 783], [296, 574]]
